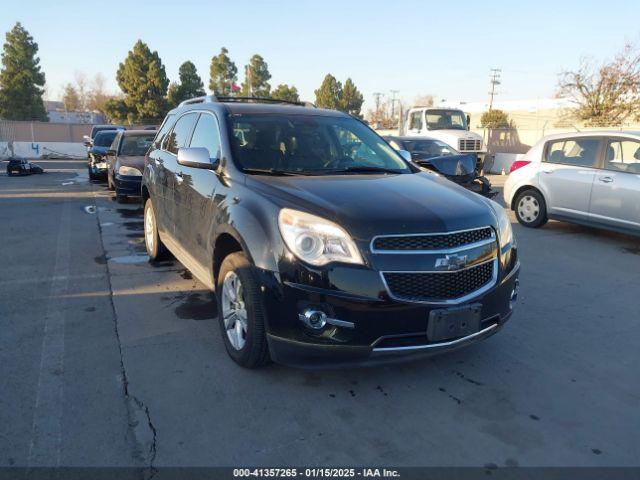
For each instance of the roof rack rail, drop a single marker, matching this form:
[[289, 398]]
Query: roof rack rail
[[203, 99], [264, 100]]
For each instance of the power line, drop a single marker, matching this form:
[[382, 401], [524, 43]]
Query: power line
[[494, 80]]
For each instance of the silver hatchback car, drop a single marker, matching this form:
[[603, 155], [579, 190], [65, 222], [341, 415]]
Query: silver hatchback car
[[592, 178]]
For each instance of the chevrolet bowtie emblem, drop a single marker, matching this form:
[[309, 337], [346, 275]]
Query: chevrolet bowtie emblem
[[451, 262]]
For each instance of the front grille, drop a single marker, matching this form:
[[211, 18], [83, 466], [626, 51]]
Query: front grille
[[469, 145], [441, 241], [435, 286]]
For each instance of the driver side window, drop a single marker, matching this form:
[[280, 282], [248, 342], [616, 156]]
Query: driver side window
[[416, 121]]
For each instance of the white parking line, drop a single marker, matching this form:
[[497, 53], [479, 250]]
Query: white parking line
[[46, 433]]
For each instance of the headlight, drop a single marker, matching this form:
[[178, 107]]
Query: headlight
[[315, 240], [129, 171], [505, 232]]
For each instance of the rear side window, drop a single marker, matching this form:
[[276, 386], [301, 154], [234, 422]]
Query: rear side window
[[166, 126], [207, 135], [181, 133], [580, 152], [622, 155]]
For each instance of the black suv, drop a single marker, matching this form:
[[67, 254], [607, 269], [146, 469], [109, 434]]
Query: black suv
[[323, 244]]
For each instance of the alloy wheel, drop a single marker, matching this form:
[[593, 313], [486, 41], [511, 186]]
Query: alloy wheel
[[234, 311], [149, 229]]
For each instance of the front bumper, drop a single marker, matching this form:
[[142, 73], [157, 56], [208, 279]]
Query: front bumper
[[383, 331], [128, 185]]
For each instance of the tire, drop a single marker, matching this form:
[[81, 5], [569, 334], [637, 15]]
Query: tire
[[121, 198], [531, 209], [253, 352], [92, 177], [155, 248]]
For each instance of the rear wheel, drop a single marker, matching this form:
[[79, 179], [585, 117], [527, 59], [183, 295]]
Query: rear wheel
[[241, 312], [155, 248], [531, 209]]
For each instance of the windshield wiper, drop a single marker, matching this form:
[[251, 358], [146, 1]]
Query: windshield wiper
[[365, 169], [272, 171]]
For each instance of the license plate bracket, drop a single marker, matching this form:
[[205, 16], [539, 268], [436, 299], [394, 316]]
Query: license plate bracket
[[448, 323]]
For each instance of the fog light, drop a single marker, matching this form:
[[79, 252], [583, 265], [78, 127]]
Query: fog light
[[514, 293], [315, 319]]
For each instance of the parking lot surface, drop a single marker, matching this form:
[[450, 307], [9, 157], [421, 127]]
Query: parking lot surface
[[106, 360]]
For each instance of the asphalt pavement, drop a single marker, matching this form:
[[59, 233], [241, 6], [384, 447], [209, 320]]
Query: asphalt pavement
[[106, 360]]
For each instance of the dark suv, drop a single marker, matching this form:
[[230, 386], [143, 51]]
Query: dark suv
[[323, 244]]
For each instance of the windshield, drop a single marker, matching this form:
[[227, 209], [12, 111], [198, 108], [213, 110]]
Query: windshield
[[105, 138], [423, 149], [446, 120], [310, 144], [136, 145]]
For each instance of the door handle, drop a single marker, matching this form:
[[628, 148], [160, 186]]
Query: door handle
[[548, 171], [606, 179]]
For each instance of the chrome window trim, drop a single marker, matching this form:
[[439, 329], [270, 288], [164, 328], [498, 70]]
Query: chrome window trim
[[461, 248], [452, 301], [450, 343]]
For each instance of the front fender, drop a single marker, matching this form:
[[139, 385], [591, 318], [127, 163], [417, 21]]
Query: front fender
[[253, 222]]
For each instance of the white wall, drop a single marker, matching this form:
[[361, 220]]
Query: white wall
[[42, 149]]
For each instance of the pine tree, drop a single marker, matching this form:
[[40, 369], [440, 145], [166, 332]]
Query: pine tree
[[21, 80], [190, 85], [329, 95], [256, 81], [286, 92], [143, 80], [351, 99], [223, 73]]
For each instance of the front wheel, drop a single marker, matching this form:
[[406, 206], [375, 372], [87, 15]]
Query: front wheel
[[241, 313], [531, 209], [155, 248]]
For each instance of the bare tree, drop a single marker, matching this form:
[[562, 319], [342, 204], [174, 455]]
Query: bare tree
[[424, 101], [82, 90], [608, 94], [98, 96]]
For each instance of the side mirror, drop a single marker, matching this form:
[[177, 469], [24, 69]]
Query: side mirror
[[468, 122], [86, 140], [197, 157], [405, 154]]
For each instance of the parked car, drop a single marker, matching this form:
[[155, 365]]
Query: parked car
[[439, 157], [97, 164], [323, 245], [88, 139], [591, 178], [21, 166], [448, 125], [125, 162]]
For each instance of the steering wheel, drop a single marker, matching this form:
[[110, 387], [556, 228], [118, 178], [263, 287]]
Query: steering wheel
[[339, 163]]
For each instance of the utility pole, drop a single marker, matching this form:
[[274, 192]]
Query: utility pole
[[494, 80], [393, 102], [377, 96]]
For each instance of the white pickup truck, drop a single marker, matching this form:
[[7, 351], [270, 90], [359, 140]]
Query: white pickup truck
[[445, 124]]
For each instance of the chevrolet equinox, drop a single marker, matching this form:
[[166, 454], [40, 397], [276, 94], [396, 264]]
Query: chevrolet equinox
[[323, 244]]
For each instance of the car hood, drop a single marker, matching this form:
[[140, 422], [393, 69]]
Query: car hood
[[99, 150], [369, 205], [134, 161], [451, 165]]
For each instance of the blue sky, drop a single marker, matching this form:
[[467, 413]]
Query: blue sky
[[445, 48]]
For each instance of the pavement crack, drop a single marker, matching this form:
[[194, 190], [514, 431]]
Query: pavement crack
[[140, 423]]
